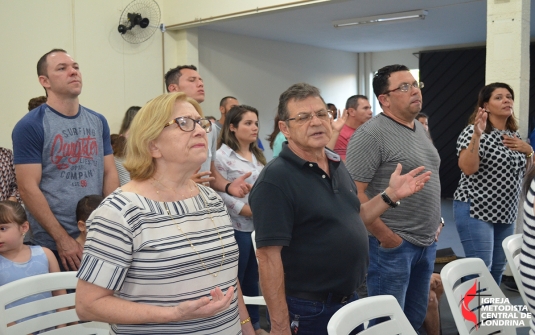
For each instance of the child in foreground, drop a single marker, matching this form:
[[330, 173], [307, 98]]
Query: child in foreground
[[84, 208], [18, 260]]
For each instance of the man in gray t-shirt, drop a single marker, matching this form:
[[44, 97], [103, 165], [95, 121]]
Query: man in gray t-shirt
[[402, 240], [62, 152]]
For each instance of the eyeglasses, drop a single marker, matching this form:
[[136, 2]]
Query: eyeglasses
[[302, 118], [188, 124], [405, 87]]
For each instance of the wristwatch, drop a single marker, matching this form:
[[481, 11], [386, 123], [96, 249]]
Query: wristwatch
[[389, 201]]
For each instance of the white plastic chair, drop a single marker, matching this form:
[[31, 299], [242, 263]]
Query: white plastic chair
[[42, 283], [258, 300], [485, 287], [512, 246], [349, 317]]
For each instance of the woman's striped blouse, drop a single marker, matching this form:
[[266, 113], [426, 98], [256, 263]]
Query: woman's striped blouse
[[135, 248]]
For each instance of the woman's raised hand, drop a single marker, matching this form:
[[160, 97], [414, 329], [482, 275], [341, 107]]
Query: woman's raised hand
[[480, 123]]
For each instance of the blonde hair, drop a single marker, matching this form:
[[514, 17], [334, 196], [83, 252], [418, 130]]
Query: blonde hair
[[146, 127]]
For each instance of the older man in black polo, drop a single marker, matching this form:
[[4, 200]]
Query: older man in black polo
[[310, 233]]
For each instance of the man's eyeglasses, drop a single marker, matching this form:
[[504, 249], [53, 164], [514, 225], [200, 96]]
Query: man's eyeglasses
[[405, 87], [188, 124], [302, 118]]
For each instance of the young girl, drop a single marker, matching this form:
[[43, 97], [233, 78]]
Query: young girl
[[18, 260]]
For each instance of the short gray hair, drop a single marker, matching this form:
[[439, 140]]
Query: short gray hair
[[299, 91]]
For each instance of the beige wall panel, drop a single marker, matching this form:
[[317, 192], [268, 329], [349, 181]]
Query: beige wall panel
[[257, 71], [116, 74]]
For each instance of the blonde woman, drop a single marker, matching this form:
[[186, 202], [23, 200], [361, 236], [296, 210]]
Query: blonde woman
[[160, 256]]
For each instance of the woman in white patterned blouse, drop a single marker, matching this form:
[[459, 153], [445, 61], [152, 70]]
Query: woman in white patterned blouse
[[239, 154]]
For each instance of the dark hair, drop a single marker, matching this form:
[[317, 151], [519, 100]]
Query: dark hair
[[36, 102], [127, 119], [87, 205], [11, 211], [381, 79], [420, 115], [353, 101], [234, 117], [224, 100], [173, 75], [330, 105], [298, 92], [276, 131], [42, 62], [118, 144], [484, 96]]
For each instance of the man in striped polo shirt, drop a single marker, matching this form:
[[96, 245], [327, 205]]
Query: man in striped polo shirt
[[402, 239]]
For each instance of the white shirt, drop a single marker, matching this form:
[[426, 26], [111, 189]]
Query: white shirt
[[231, 166], [212, 147]]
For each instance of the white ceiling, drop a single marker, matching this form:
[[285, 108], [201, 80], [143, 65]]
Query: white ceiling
[[449, 22]]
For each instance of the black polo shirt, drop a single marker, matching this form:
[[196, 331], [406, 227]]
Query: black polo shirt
[[316, 219]]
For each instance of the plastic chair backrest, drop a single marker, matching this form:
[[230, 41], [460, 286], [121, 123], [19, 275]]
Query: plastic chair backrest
[[473, 301], [359, 312], [258, 300], [43, 283], [512, 246]]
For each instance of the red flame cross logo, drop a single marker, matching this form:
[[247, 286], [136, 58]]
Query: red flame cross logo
[[468, 297]]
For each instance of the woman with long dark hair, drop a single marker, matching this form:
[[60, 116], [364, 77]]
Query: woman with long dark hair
[[493, 159], [276, 138], [118, 143], [238, 153], [127, 120]]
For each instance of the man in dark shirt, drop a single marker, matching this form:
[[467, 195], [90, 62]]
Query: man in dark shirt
[[310, 233]]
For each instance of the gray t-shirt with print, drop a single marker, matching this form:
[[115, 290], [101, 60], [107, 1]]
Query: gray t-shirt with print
[[71, 152]]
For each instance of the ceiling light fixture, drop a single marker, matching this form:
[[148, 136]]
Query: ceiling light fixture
[[394, 17]]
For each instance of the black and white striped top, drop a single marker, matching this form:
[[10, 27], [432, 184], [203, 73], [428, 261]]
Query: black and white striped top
[[135, 248], [527, 255], [124, 175]]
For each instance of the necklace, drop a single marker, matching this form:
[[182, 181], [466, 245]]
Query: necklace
[[172, 190], [191, 243]]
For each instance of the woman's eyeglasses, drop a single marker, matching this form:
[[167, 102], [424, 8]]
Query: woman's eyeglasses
[[188, 124]]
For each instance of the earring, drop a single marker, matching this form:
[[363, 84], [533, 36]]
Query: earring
[[23, 234]]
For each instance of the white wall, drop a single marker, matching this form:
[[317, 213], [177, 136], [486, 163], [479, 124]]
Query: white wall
[[404, 57], [184, 11], [115, 74], [257, 71]]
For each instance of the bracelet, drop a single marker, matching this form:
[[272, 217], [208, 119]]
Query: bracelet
[[531, 154], [442, 222], [226, 189], [389, 201], [245, 321]]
